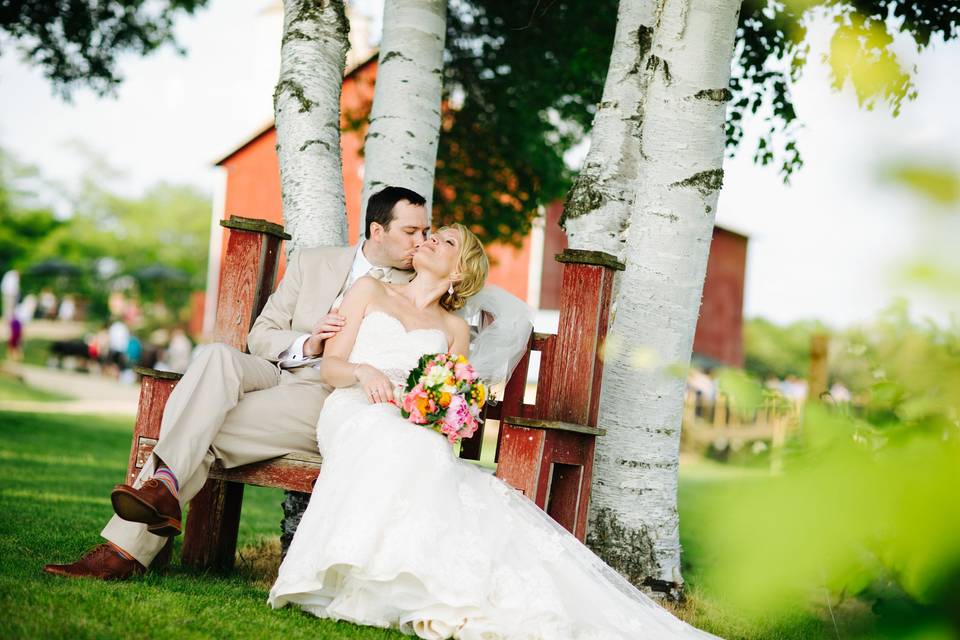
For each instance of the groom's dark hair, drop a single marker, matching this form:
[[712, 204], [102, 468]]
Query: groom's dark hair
[[380, 205]]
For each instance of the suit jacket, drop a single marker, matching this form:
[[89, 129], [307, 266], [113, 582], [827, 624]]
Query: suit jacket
[[313, 280]]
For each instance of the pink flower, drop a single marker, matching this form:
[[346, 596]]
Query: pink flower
[[465, 371]]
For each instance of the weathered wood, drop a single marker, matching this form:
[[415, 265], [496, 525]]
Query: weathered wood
[[255, 224], [520, 452], [512, 403], [210, 539], [597, 258], [550, 445], [154, 393], [156, 373], [293, 472], [586, 483], [584, 308], [537, 423], [546, 383], [248, 278], [564, 494], [249, 273]]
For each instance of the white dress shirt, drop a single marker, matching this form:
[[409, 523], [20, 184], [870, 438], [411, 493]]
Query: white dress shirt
[[294, 356]]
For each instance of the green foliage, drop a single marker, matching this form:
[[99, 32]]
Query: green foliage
[[529, 77], [524, 79], [867, 506], [772, 53], [159, 239], [22, 221], [77, 43], [936, 183], [774, 351]]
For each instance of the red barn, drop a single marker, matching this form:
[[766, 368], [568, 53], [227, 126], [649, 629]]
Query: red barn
[[251, 188]]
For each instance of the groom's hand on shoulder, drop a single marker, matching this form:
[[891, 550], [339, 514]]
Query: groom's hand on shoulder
[[327, 327]]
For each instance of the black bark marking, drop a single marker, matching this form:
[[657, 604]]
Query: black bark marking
[[296, 90], [706, 182], [390, 55], [310, 143], [584, 197], [714, 95], [644, 38]]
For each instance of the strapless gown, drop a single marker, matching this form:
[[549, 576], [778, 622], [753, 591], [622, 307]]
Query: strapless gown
[[401, 533]]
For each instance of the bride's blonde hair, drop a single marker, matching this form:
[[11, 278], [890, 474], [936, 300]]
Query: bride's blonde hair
[[472, 264]]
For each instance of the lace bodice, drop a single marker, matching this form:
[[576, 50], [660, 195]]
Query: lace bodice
[[385, 343]]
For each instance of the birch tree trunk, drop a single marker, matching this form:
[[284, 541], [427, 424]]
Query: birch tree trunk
[[596, 214], [401, 144], [633, 514], [306, 106]]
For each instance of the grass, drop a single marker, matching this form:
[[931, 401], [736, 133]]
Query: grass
[[55, 476], [56, 473]]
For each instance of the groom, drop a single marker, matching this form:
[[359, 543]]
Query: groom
[[242, 408]]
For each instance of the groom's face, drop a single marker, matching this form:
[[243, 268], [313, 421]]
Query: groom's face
[[400, 239]]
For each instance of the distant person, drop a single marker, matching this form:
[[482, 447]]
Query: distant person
[[47, 307], [27, 308], [118, 337], [179, 351], [14, 348], [134, 351], [10, 288], [68, 309]]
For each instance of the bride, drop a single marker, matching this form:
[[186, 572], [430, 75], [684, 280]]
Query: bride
[[401, 533]]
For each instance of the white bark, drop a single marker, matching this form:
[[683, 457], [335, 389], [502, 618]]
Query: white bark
[[401, 144], [597, 212], [633, 514], [307, 113]]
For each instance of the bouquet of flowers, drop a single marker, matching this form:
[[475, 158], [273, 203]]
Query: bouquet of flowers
[[443, 393]]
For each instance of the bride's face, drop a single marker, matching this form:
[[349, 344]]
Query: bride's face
[[439, 253]]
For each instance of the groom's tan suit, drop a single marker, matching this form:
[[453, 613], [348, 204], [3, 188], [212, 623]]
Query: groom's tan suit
[[242, 408]]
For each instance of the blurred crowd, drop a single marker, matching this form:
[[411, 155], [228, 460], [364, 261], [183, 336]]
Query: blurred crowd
[[114, 349]]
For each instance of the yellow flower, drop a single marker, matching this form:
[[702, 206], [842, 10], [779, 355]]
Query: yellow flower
[[481, 392]]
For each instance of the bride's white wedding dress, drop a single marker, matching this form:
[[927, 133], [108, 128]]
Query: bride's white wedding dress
[[401, 533]]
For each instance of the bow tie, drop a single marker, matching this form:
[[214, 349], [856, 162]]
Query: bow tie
[[378, 273]]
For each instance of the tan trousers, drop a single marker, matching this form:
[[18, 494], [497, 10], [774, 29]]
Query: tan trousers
[[230, 406]]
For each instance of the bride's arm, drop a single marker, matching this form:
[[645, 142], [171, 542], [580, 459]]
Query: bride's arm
[[336, 371]]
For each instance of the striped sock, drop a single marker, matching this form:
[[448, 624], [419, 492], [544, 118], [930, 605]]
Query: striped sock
[[120, 552], [164, 475]]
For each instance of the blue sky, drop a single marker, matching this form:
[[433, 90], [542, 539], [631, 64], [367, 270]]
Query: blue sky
[[830, 246]]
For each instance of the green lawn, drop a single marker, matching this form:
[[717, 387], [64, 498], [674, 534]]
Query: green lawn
[[55, 476]]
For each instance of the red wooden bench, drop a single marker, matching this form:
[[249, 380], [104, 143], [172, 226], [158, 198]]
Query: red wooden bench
[[544, 449]]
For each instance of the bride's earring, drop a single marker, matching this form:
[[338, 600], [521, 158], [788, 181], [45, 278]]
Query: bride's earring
[[450, 289]]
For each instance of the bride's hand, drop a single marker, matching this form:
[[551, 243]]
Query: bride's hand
[[376, 385]]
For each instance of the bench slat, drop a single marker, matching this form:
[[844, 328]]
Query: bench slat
[[557, 425], [293, 472]]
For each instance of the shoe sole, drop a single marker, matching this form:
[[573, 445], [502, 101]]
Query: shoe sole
[[133, 509]]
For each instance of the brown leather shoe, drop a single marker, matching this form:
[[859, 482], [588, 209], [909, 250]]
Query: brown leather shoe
[[102, 562], [152, 504]]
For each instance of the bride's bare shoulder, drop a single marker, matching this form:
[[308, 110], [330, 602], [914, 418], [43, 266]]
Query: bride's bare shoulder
[[457, 326]]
